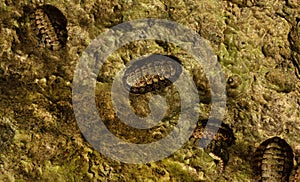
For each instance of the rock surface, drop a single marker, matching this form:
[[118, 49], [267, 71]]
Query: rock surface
[[256, 42]]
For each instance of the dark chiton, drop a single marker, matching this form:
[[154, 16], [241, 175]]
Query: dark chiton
[[273, 160], [219, 142], [151, 73], [49, 25]]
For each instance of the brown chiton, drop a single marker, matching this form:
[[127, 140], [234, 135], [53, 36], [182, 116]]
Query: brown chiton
[[49, 25], [151, 73], [218, 143], [273, 160]]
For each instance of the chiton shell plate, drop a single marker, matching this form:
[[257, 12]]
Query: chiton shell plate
[[49, 25], [151, 73], [273, 160], [219, 142]]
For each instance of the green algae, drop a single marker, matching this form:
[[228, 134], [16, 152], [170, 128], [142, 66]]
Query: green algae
[[251, 40]]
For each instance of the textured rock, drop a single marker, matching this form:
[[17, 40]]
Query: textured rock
[[256, 43]]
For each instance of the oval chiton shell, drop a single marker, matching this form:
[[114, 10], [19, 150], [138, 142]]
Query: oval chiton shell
[[273, 160], [49, 25], [224, 135], [218, 142], [151, 73]]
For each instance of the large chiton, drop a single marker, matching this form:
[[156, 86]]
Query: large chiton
[[273, 160], [49, 25], [219, 142], [151, 73]]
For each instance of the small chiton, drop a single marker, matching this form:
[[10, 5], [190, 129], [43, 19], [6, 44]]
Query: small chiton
[[151, 73], [219, 142], [273, 160], [49, 25]]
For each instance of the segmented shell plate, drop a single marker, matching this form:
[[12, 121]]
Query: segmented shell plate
[[217, 148], [49, 25], [273, 160], [151, 73], [224, 134]]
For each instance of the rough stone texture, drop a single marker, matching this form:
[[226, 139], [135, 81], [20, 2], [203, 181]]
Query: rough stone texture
[[255, 41]]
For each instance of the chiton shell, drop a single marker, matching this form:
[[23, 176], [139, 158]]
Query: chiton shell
[[151, 73], [49, 25], [219, 142], [273, 160]]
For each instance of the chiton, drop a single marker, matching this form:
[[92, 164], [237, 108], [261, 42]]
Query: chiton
[[219, 142], [151, 73], [49, 25], [273, 160]]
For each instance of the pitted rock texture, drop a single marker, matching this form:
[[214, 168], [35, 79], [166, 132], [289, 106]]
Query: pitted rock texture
[[256, 43]]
